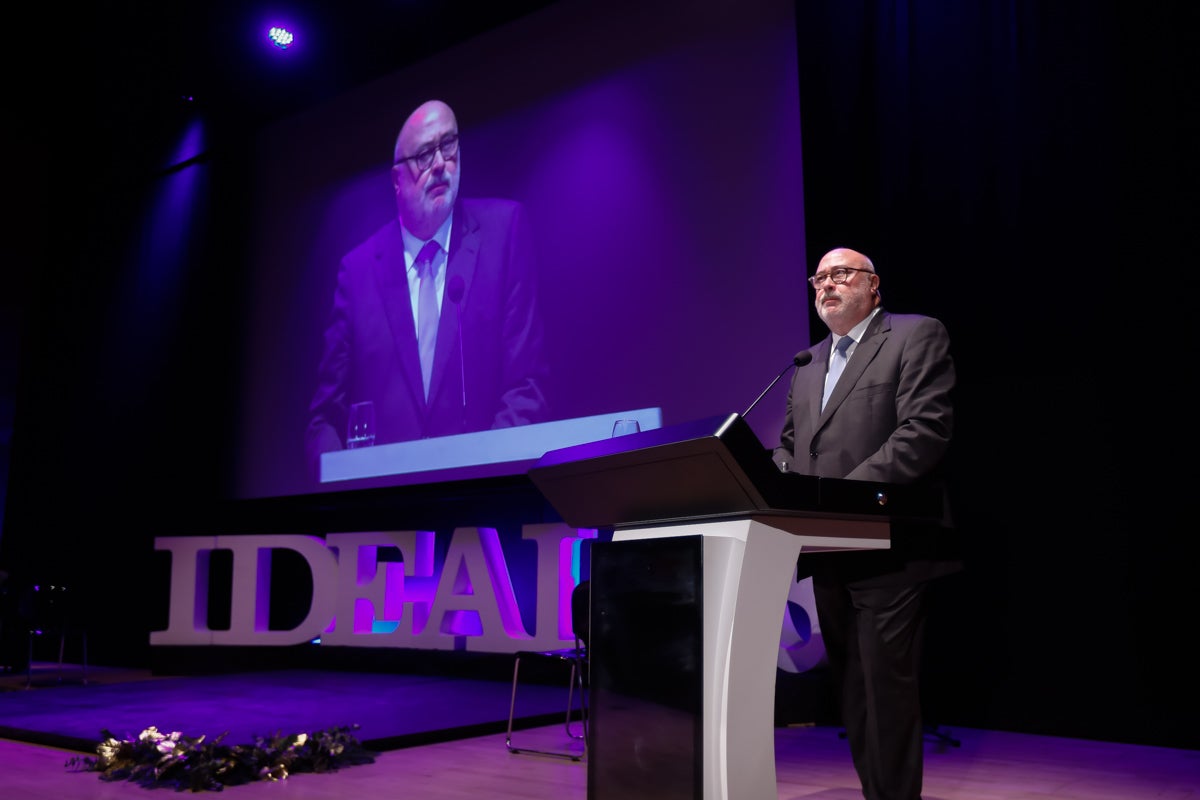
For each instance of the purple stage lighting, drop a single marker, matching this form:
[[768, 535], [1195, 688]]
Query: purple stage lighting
[[280, 37]]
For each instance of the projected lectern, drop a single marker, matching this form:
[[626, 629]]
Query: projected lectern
[[688, 597]]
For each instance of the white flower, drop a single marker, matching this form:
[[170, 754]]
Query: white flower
[[107, 750], [164, 752], [150, 733]]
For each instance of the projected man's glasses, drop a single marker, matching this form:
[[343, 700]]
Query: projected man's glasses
[[837, 275], [424, 159]]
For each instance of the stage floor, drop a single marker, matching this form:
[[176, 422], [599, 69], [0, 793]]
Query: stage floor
[[812, 763], [391, 711], [443, 739]]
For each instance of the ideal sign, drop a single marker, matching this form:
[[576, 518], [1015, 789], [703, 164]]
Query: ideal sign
[[467, 602]]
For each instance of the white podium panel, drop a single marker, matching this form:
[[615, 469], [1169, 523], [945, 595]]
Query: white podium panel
[[710, 735]]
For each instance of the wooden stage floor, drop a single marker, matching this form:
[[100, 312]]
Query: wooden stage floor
[[812, 763]]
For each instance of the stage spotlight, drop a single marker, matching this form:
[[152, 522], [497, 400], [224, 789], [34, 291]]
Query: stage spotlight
[[280, 37]]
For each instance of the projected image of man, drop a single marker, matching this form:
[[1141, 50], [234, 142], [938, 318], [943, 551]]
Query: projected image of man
[[435, 316]]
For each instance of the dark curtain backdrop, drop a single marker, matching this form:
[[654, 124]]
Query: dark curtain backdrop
[[1024, 171]]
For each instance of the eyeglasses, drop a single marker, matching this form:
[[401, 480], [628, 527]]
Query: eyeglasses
[[837, 275], [448, 147]]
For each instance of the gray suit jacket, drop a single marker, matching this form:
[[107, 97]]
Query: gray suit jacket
[[890, 418]]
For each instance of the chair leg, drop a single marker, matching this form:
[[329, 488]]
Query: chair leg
[[577, 687], [576, 682], [512, 705], [583, 708], [570, 696]]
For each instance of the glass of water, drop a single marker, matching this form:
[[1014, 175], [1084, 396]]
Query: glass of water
[[360, 430], [625, 426]]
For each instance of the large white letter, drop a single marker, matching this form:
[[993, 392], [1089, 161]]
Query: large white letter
[[187, 614], [475, 607], [250, 609], [381, 602], [557, 575]]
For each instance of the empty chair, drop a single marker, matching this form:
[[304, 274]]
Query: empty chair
[[53, 612], [576, 660]]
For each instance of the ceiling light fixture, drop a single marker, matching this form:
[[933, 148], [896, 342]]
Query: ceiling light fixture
[[280, 37]]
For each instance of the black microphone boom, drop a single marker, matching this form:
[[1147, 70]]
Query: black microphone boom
[[455, 292], [798, 360]]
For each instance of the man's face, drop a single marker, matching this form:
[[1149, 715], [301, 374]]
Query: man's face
[[843, 305], [425, 197]]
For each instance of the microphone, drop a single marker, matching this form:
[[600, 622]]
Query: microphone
[[799, 360], [455, 291]]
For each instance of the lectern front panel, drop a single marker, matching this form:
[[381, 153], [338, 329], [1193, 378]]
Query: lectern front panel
[[646, 654]]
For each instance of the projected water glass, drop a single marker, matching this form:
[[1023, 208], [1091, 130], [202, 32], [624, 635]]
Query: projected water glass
[[360, 430], [624, 426]]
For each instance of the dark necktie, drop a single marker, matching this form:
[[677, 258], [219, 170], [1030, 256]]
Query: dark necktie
[[427, 311], [837, 362]]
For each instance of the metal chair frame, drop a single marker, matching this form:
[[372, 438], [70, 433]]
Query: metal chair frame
[[52, 617], [576, 658]]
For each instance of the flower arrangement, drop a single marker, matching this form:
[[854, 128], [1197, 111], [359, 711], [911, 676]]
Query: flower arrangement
[[183, 762]]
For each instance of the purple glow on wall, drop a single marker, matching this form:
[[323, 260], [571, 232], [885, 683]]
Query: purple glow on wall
[[193, 142], [163, 248]]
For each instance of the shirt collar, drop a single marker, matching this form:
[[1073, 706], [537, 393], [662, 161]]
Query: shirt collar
[[413, 245], [856, 333]]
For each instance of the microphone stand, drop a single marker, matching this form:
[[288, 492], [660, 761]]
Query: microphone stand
[[799, 360]]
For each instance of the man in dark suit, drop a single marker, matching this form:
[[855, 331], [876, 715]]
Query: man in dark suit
[[889, 418], [485, 364]]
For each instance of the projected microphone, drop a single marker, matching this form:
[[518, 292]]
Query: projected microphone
[[799, 360], [455, 292]]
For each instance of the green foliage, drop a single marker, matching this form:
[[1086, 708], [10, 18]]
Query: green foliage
[[183, 762]]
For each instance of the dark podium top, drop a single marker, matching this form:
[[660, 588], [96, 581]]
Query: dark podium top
[[714, 467]]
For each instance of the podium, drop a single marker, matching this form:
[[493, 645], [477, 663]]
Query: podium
[[688, 597]]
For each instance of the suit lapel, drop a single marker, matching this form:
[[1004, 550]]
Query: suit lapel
[[391, 278], [817, 386], [461, 262], [864, 352]]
